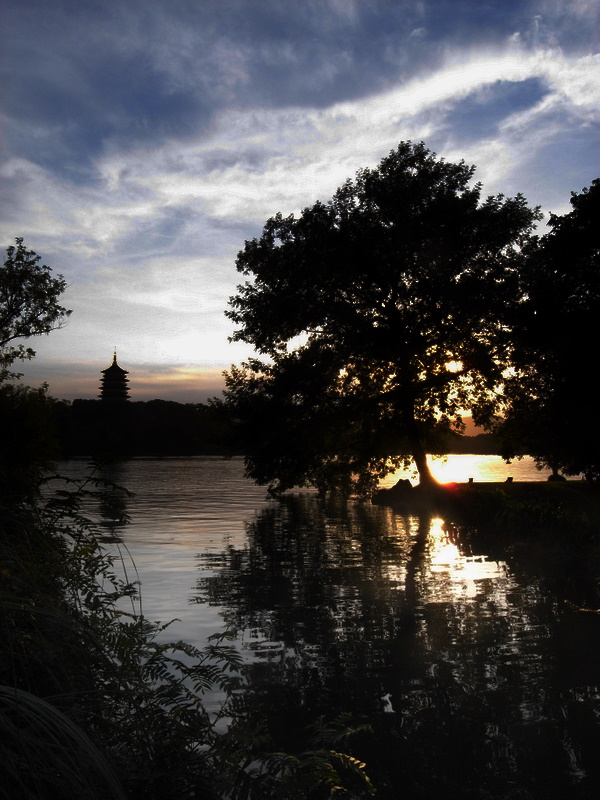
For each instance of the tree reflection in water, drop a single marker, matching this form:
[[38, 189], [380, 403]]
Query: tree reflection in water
[[476, 679]]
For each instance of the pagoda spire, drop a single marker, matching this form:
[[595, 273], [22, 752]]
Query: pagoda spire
[[113, 384]]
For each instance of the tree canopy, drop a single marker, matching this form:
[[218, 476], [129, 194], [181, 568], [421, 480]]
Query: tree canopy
[[28, 303], [383, 314], [551, 404]]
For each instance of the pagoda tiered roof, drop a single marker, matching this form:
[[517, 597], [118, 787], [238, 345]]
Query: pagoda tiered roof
[[113, 384]]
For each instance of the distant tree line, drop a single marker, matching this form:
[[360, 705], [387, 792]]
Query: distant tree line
[[157, 428], [150, 428], [154, 428], [40, 430]]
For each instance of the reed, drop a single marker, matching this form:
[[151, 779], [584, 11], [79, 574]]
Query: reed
[[44, 754]]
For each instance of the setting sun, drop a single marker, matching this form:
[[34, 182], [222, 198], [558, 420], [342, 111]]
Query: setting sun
[[454, 366]]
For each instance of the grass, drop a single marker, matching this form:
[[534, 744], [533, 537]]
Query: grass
[[44, 754]]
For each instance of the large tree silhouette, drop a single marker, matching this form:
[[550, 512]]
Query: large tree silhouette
[[382, 313], [551, 404]]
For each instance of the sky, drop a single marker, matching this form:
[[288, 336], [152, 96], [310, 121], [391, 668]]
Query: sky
[[143, 141]]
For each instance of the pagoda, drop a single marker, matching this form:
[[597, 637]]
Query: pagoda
[[113, 384]]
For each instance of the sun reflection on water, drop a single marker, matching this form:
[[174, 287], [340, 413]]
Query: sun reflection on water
[[454, 575]]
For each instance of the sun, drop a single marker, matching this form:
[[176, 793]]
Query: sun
[[454, 366]]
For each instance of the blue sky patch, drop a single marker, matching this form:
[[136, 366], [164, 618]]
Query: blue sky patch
[[479, 115]]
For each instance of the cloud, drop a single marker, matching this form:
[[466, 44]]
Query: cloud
[[111, 76], [255, 162], [144, 148], [177, 195]]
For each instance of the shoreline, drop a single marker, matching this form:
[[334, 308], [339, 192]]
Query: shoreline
[[523, 504]]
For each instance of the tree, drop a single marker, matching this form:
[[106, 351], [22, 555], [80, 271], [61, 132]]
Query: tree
[[28, 303], [551, 404], [30, 441], [383, 314]]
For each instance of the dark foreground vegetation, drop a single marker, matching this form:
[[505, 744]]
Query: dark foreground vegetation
[[93, 706]]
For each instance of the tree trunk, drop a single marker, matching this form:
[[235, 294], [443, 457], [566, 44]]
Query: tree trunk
[[413, 435], [420, 458], [416, 445]]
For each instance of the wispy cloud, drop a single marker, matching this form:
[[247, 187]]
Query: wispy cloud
[[143, 148], [257, 161]]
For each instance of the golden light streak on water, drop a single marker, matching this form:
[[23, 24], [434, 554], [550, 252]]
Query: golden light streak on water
[[454, 575]]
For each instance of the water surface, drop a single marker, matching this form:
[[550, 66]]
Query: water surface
[[461, 649]]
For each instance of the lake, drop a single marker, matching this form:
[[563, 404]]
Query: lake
[[463, 651]]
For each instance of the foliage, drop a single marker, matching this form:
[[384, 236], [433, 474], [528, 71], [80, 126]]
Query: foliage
[[28, 303], [94, 702], [551, 409], [305, 776], [30, 441], [383, 314], [49, 747]]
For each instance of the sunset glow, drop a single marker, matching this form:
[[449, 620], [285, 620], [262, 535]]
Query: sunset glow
[[461, 468]]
